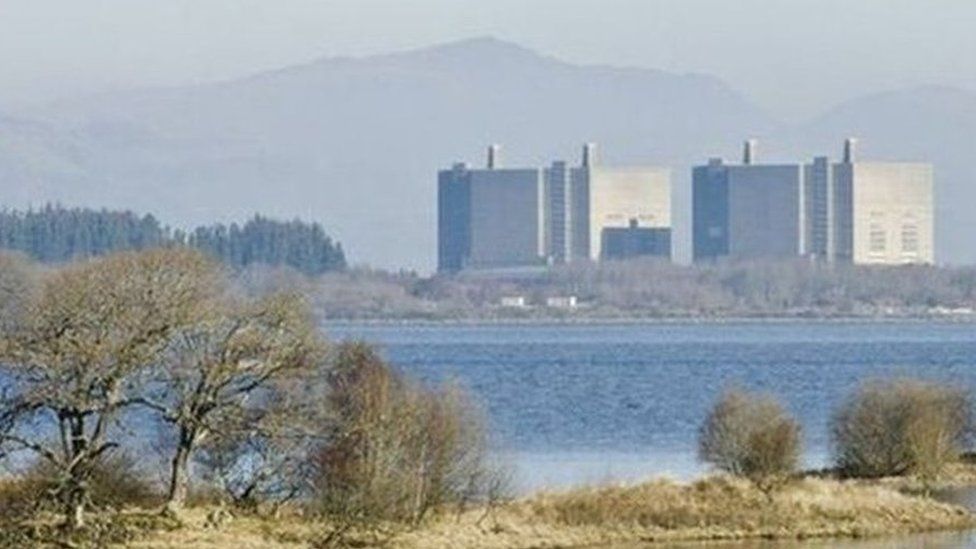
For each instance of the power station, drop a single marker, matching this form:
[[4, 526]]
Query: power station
[[850, 211], [875, 213], [500, 218]]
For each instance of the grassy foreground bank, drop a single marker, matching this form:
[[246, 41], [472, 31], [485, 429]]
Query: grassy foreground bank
[[715, 508]]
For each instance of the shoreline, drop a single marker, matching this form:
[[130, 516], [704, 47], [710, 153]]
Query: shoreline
[[649, 321], [655, 513]]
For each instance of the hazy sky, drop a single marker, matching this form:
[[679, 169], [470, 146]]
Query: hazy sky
[[794, 57]]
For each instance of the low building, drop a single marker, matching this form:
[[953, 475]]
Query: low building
[[635, 241], [513, 301], [562, 302]]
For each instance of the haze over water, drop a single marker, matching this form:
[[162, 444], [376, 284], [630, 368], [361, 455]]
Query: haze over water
[[582, 404]]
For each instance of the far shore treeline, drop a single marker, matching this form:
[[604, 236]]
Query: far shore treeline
[[264, 253], [55, 234]]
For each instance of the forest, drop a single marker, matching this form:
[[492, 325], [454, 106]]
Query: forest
[[55, 234]]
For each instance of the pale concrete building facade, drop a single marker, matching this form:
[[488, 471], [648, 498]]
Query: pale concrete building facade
[[849, 211], [619, 198], [504, 218], [600, 198], [890, 213]]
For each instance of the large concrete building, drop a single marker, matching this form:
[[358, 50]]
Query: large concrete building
[[850, 211], [498, 217], [747, 210]]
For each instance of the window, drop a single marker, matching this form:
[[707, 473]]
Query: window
[[909, 236], [877, 237]]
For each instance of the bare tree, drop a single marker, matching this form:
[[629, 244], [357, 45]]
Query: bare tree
[[265, 461], [74, 355], [222, 374], [395, 450]]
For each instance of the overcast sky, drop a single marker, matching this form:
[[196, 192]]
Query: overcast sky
[[794, 57]]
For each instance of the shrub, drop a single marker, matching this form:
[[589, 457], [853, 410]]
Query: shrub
[[396, 451], [891, 428], [104, 530], [751, 436], [116, 481], [20, 497]]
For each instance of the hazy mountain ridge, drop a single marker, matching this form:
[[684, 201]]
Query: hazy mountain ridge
[[355, 143]]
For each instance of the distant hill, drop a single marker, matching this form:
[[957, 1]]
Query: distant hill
[[355, 142]]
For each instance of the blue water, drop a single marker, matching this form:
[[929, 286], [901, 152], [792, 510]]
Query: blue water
[[573, 404]]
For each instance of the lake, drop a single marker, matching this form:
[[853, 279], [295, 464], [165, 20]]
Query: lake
[[574, 404]]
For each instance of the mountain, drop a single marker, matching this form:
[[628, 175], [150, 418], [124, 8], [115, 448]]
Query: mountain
[[355, 143]]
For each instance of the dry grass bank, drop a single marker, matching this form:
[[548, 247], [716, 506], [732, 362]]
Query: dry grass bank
[[717, 508]]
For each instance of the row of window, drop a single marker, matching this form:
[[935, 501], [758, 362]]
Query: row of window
[[878, 236]]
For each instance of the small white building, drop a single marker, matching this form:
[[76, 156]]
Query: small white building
[[562, 302], [514, 301]]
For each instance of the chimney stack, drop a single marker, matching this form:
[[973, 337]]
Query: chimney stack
[[850, 150], [589, 155], [494, 156], [750, 152]]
